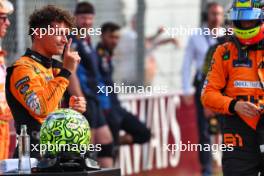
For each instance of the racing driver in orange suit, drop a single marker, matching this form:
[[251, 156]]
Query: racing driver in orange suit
[[34, 87], [234, 87], [6, 8]]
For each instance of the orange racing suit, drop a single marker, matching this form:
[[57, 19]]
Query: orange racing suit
[[233, 78], [33, 92], [230, 80]]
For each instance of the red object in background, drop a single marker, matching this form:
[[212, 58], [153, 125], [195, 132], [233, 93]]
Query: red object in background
[[189, 161], [136, 160], [189, 164]]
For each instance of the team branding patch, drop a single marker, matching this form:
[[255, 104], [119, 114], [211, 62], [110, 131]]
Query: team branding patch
[[237, 63], [72, 126], [37, 71], [27, 93], [21, 81], [48, 78], [247, 84], [24, 89], [35, 58], [226, 55], [33, 103]]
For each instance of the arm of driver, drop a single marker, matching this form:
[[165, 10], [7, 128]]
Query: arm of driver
[[212, 97]]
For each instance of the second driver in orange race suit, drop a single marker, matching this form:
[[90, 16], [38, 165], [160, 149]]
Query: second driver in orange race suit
[[234, 87], [33, 88]]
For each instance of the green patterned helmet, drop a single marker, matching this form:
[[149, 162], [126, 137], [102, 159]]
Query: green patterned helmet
[[64, 130]]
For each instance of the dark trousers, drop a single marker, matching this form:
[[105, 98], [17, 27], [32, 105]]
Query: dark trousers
[[246, 158], [120, 119]]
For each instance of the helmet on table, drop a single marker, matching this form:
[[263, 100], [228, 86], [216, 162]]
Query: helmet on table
[[64, 130], [247, 10]]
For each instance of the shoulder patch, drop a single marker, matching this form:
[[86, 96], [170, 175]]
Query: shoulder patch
[[24, 88], [32, 101], [22, 81]]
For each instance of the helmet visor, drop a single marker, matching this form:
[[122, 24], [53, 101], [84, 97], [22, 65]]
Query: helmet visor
[[245, 14], [247, 34]]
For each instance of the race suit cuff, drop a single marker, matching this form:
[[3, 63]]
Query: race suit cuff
[[64, 73], [231, 107]]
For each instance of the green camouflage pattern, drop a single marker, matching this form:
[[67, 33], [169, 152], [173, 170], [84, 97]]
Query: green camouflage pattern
[[64, 126]]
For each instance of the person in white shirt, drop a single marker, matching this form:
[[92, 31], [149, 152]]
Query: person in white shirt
[[195, 53], [6, 8]]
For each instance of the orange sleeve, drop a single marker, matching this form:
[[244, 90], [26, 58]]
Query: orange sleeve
[[37, 97], [216, 80]]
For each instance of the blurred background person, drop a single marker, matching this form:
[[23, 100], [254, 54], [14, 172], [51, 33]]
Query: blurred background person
[[6, 8], [196, 50], [126, 54], [85, 83], [117, 117], [151, 44]]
